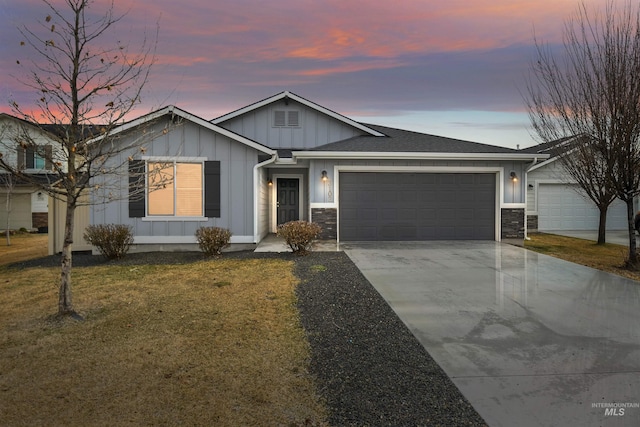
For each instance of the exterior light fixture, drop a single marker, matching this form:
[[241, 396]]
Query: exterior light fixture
[[269, 182], [324, 177], [514, 177]]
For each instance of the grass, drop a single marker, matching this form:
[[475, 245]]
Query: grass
[[608, 257], [216, 342], [23, 246]]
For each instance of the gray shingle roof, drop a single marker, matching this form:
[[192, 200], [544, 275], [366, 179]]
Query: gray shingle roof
[[404, 141]]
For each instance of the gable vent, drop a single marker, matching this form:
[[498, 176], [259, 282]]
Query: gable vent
[[279, 118], [284, 118]]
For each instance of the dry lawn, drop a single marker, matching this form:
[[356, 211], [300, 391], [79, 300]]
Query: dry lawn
[[608, 257], [211, 343], [23, 246]]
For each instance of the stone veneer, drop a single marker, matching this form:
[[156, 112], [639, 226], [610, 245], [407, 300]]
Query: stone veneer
[[513, 224], [532, 222], [327, 218], [39, 219]]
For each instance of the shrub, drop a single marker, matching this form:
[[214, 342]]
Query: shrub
[[212, 240], [112, 240], [299, 235]]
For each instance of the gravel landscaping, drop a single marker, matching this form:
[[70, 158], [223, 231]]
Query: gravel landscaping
[[370, 369]]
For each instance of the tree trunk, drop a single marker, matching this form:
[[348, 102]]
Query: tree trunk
[[65, 304], [632, 262], [602, 226]]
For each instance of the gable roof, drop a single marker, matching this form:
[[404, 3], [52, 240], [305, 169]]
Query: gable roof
[[289, 95], [177, 112], [554, 149]]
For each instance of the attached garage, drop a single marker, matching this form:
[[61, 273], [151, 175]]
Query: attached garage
[[390, 206], [561, 208]]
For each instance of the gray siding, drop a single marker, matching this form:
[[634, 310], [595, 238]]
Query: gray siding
[[548, 173], [189, 140], [315, 128]]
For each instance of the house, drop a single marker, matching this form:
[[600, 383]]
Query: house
[[28, 203], [554, 200], [286, 158]]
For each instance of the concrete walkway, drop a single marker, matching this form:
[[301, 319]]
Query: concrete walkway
[[529, 339]]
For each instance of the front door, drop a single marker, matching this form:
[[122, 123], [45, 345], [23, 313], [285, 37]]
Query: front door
[[288, 203]]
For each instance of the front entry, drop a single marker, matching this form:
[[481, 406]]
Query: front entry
[[288, 199]]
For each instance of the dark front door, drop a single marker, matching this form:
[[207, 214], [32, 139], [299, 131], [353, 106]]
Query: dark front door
[[288, 203]]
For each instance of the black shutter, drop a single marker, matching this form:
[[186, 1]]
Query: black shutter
[[21, 157], [136, 189], [212, 189], [48, 157], [30, 157]]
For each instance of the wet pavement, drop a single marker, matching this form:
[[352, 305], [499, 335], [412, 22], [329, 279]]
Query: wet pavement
[[530, 340]]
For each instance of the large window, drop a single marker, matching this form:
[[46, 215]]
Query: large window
[[175, 189]]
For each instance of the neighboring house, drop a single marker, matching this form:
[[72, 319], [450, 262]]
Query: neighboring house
[[555, 202], [286, 158], [29, 205]]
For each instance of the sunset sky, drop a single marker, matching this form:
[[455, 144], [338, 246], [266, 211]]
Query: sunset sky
[[454, 68]]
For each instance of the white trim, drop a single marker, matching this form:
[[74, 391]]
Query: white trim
[[174, 240], [497, 170], [256, 197], [274, 197], [151, 218], [374, 155], [513, 205], [323, 205], [178, 159], [192, 118], [293, 96]]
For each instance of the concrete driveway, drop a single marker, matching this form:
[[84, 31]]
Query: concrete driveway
[[530, 340]]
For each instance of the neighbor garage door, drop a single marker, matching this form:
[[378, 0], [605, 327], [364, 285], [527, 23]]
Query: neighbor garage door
[[561, 208], [416, 206]]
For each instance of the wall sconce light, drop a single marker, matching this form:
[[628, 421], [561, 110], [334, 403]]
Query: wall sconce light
[[530, 186], [269, 182], [324, 177], [514, 177]]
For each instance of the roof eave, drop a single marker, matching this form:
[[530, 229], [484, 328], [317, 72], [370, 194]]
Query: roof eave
[[372, 155], [312, 105], [192, 118]]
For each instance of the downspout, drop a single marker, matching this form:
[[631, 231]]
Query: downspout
[[256, 191], [526, 189]]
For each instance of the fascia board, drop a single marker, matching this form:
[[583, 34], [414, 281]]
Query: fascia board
[[416, 155], [312, 105], [192, 118]]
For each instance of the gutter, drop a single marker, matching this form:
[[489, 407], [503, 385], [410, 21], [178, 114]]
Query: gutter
[[256, 185], [372, 155]]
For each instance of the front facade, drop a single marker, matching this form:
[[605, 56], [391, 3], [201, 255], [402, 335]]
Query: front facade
[[286, 158], [28, 205]]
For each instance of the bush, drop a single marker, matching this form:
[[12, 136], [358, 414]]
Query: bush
[[212, 240], [299, 235], [112, 240]]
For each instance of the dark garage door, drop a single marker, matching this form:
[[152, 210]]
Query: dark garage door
[[417, 206]]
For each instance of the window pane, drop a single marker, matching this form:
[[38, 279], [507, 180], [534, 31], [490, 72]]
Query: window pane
[[38, 162], [161, 189], [189, 189]]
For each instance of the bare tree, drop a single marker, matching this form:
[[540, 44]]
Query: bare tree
[[593, 91], [7, 181], [86, 83]]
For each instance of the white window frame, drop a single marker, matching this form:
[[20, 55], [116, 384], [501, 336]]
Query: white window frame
[[174, 160]]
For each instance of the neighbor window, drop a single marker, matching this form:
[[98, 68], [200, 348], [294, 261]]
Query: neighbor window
[[175, 189], [35, 157]]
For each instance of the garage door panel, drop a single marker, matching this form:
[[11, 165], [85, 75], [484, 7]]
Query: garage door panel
[[561, 207], [415, 206]]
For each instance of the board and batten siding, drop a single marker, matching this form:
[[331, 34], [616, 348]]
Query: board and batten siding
[[315, 128], [57, 219], [189, 141]]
